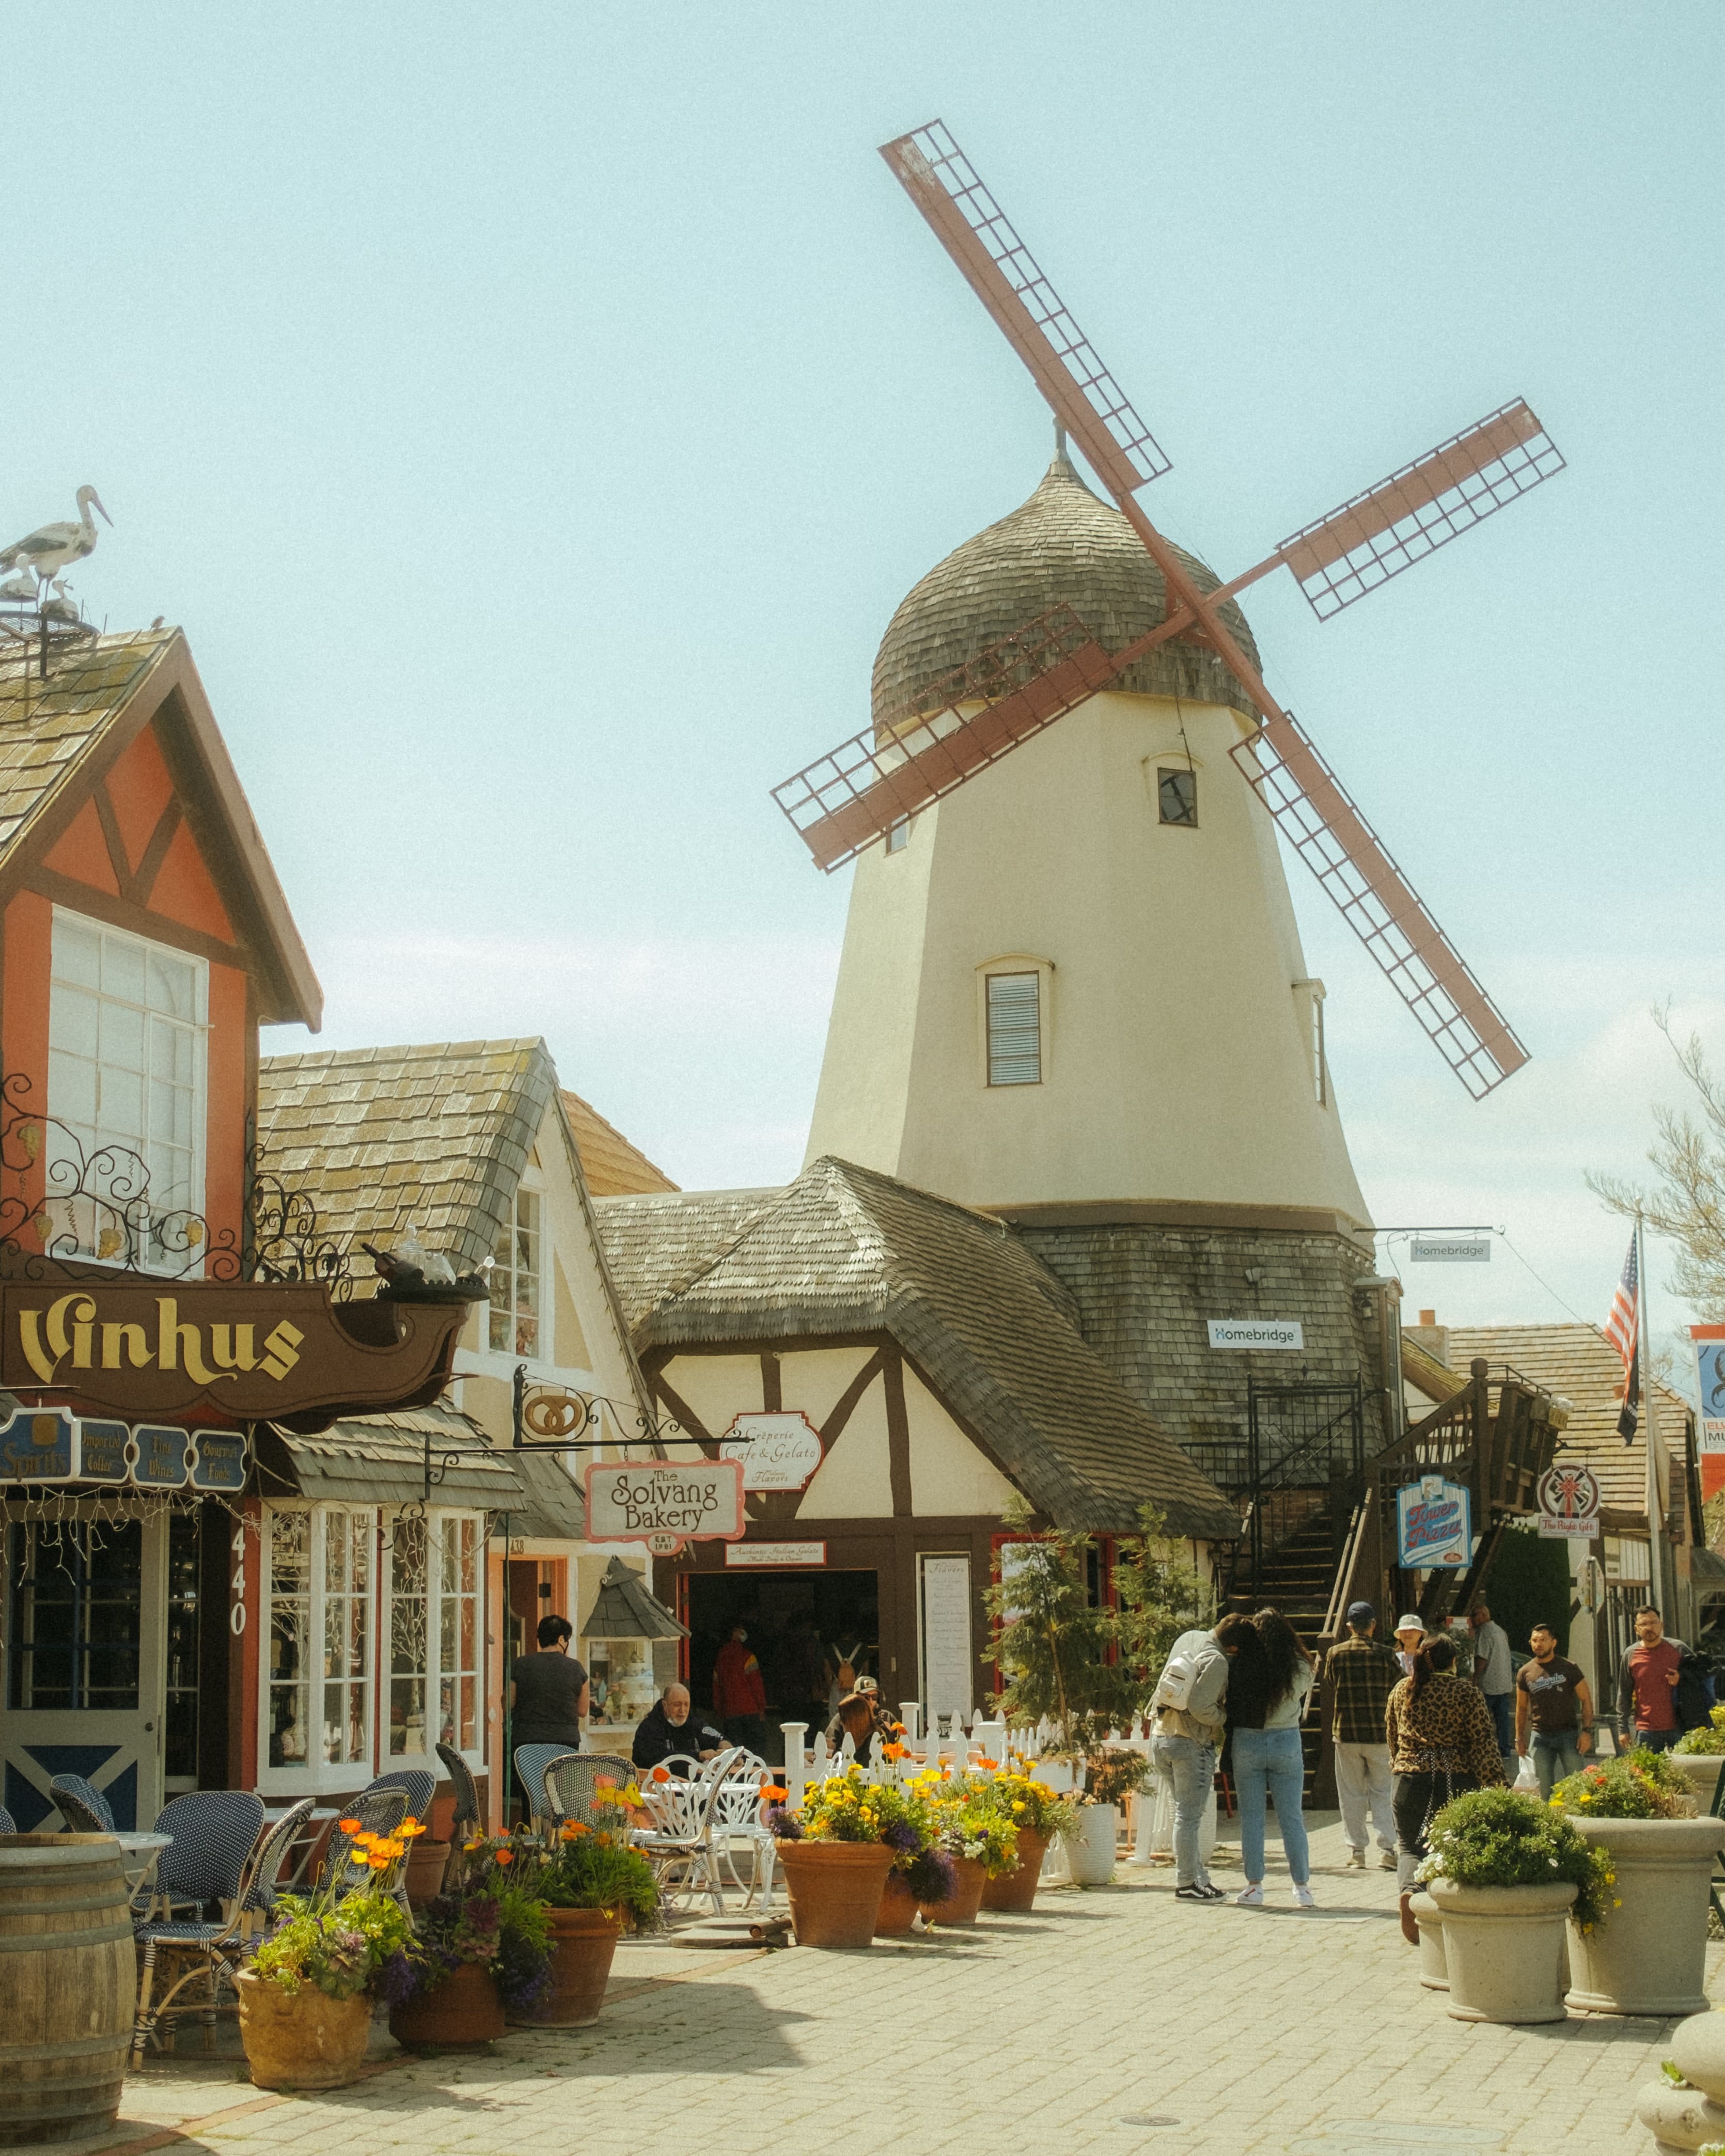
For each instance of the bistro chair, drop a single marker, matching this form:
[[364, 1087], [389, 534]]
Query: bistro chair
[[738, 1818], [265, 1886], [214, 1832], [376, 1811], [468, 1815], [682, 1848], [7, 1824], [185, 1951], [530, 1762], [83, 1806], [571, 1782], [420, 1785]]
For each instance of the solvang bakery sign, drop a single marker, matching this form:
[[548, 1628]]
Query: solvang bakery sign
[[146, 1353]]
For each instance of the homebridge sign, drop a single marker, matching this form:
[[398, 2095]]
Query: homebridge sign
[[1260, 1333], [236, 1352], [639, 1500]]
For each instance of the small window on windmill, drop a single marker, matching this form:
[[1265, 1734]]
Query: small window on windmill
[[1014, 1029], [1177, 797], [898, 835], [1313, 992]]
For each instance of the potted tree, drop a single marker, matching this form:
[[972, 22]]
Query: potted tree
[[1039, 1816], [306, 1998], [1505, 1872], [483, 1946], [1698, 1754], [592, 1883], [835, 1850], [1650, 1957], [1111, 1775]]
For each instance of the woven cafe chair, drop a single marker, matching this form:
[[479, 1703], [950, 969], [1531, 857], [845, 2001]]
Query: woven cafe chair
[[83, 1806], [467, 1814], [377, 1811], [184, 1952], [7, 1823], [682, 1848], [571, 1781], [213, 1833], [418, 1783], [530, 1762]]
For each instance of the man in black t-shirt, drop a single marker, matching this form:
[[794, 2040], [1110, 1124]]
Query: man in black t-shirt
[[1552, 1694], [548, 1696]]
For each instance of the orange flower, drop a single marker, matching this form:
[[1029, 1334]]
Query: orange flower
[[506, 1856], [896, 1751], [409, 1828], [605, 1781], [379, 1863], [602, 1840], [773, 1795], [350, 1826], [573, 1830], [661, 1773]]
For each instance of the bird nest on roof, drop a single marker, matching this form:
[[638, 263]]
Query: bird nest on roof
[[31, 635]]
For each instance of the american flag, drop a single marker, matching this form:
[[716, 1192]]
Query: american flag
[[1622, 1330]]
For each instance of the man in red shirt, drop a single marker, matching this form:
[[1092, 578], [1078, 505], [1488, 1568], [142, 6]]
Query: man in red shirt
[[1646, 1682], [740, 1693]]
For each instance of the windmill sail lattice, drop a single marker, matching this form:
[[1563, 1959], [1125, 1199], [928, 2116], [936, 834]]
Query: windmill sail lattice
[[1014, 688]]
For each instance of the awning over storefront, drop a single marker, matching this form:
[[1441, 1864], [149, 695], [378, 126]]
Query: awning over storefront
[[381, 1459]]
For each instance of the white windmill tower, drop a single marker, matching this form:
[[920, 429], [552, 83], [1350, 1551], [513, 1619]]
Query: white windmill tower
[[1079, 984]]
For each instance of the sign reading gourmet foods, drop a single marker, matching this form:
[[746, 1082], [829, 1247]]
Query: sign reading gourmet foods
[[224, 1351], [1255, 1332], [634, 1501]]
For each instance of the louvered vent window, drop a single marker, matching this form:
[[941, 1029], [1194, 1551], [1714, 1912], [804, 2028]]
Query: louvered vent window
[[1015, 1030]]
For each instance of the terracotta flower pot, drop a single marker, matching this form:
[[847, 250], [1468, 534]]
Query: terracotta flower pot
[[465, 2009], [834, 1889], [1017, 1889], [583, 1942], [897, 1912], [969, 1881], [1649, 1954], [426, 1862], [303, 2039], [1503, 1949]]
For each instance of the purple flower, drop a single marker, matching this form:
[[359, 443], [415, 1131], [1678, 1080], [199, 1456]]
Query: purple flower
[[783, 1825], [931, 1876], [902, 1836]]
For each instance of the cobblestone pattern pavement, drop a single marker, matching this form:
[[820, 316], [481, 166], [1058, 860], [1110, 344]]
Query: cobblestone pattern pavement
[[1115, 2018]]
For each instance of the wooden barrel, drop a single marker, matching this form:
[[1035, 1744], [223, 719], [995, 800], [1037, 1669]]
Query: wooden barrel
[[67, 1985]]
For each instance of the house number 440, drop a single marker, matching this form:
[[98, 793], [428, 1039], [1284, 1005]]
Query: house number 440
[[236, 1617]]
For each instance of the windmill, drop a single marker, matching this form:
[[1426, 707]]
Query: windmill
[[958, 726]]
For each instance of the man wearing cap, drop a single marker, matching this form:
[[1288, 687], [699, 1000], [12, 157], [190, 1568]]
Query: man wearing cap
[[1409, 1631], [1362, 1672]]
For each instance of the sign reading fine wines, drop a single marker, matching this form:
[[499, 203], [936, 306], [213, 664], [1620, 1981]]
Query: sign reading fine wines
[[638, 1501], [1433, 1525], [38, 1445]]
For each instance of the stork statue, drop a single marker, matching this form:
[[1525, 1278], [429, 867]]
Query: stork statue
[[55, 547]]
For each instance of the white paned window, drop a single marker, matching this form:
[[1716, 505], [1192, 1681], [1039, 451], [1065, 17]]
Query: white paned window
[[1014, 1029], [1311, 995], [515, 1281], [433, 1634], [318, 1620], [127, 1027], [898, 835]]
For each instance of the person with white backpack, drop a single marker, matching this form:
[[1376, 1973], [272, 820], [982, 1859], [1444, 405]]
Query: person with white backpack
[[1188, 1711]]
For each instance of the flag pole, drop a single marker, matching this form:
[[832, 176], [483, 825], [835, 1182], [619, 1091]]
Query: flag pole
[[1655, 1517]]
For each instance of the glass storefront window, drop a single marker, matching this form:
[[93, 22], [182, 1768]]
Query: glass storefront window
[[347, 1545], [76, 1587], [458, 1636], [321, 1566], [179, 1757], [289, 1584], [408, 1640]]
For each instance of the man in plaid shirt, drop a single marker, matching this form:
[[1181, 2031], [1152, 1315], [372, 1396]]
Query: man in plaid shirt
[[1363, 1673]]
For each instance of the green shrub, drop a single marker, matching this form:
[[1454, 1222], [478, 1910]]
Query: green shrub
[[1497, 1838], [1708, 1741], [1638, 1784]]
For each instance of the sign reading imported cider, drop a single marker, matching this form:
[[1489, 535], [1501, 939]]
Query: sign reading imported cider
[[633, 1502], [250, 1353]]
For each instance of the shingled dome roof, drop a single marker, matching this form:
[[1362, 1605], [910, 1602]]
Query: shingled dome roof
[[1063, 545]]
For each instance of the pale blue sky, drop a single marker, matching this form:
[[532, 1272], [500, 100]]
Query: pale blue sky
[[534, 414]]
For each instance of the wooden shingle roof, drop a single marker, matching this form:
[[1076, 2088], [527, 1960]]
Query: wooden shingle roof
[[844, 1249], [1578, 1362], [613, 1167], [1063, 545], [383, 1139]]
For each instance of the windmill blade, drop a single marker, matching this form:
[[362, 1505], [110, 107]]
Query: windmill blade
[[1314, 810], [844, 802], [1417, 509], [1002, 273]]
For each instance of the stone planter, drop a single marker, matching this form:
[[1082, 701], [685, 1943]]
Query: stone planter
[[1693, 2116], [583, 1942], [463, 2011], [1089, 1853], [1503, 1949], [1017, 1889], [897, 1913], [969, 1880], [834, 1889], [1433, 1968], [1649, 1955], [300, 2039], [1701, 1770]]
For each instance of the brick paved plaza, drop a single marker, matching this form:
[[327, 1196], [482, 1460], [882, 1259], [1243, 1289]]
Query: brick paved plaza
[[1113, 2018]]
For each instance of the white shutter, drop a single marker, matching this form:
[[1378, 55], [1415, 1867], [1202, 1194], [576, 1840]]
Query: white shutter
[[1015, 1030]]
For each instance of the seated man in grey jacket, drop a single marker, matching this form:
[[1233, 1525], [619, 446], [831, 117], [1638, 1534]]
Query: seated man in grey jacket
[[1189, 1713]]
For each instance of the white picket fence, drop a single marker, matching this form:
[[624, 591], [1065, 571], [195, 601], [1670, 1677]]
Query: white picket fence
[[955, 1740]]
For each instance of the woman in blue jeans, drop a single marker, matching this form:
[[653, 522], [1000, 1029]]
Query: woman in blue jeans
[[1269, 1761]]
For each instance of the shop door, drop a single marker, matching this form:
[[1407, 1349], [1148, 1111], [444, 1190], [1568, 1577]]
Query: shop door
[[85, 1664]]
